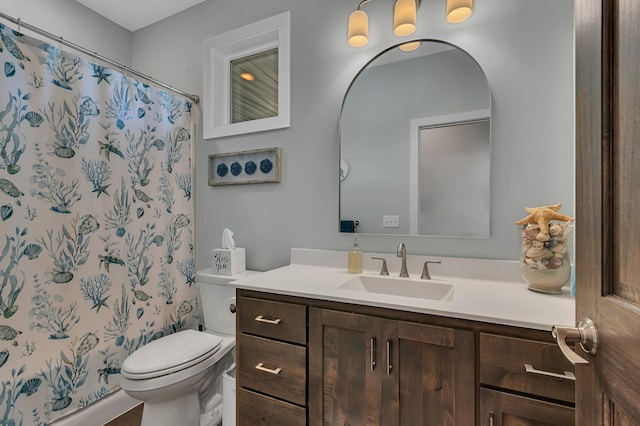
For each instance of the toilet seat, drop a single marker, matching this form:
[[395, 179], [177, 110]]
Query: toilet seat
[[178, 351]]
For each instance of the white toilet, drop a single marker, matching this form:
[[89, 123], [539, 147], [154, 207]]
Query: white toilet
[[179, 376]]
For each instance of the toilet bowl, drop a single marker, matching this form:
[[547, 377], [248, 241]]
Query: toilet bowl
[[179, 376]]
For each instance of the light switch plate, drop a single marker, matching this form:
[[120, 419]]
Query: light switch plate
[[391, 221]]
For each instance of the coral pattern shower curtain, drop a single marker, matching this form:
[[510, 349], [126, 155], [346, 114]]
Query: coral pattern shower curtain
[[95, 231]]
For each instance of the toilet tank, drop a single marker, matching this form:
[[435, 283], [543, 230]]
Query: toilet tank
[[217, 295]]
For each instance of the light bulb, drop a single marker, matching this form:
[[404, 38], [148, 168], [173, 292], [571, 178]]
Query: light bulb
[[358, 32], [459, 10], [404, 17], [409, 47]]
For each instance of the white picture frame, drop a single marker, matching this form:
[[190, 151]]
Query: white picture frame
[[241, 42]]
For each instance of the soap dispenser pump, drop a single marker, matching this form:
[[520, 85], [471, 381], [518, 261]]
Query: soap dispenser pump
[[355, 257]]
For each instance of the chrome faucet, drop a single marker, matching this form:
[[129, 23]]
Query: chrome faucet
[[402, 252]]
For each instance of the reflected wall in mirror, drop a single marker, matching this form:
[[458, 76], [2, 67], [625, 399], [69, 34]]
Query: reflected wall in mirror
[[415, 129]]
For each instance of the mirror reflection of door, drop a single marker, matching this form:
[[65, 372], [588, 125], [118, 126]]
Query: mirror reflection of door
[[254, 87], [393, 94], [465, 149]]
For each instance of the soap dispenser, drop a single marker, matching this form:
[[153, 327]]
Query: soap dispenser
[[355, 257]]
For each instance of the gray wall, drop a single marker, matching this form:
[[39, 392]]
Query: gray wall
[[524, 47], [73, 22]]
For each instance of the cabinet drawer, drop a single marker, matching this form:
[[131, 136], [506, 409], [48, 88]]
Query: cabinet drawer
[[529, 366], [255, 409], [277, 320], [502, 408], [275, 368]]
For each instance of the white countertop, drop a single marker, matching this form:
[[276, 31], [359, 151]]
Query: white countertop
[[485, 290]]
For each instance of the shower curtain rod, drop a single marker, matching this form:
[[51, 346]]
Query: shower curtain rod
[[194, 98]]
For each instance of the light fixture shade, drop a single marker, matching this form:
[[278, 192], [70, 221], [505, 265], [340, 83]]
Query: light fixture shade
[[410, 46], [358, 29], [459, 10], [404, 17]]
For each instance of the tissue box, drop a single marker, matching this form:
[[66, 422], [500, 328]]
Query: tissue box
[[227, 261]]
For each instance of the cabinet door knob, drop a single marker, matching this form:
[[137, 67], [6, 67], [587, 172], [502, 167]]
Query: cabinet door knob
[[260, 318], [585, 334]]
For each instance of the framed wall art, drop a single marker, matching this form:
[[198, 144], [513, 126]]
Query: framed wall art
[[255, 166]]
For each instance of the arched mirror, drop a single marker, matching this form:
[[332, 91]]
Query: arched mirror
[[415, 145]]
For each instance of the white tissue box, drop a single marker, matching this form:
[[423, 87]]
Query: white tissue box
[[227, 261]]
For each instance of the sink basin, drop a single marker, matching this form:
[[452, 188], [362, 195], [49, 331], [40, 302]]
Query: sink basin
[[422, 289]]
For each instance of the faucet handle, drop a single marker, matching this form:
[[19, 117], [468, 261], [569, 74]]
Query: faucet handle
[[425, 271], [384, 270]]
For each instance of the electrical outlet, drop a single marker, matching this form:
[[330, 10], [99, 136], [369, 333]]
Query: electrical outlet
[[391, 221]]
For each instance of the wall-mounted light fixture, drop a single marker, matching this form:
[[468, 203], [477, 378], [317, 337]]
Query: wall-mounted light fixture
[[404, 20]]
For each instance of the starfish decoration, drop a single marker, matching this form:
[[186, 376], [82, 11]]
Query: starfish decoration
[[100, 73], [543, 215]]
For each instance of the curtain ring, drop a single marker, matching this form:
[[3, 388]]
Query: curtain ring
[[19, 26]]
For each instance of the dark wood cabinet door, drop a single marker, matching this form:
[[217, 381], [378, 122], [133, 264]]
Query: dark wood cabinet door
[[506, 409], [428, 375], [608, 208], [344, 363]]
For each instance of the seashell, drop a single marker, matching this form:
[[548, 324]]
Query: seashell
[[555, 229], [12, 169], [158, 240], [9, 188], [537, 244], [9, 69], [87, 343], [119, 340], [541, 265], [4, 356], [34, 118], [159, 144], [8, 333], [61, 277], [120, 124], [60, 404], [559, 247], [542, 236], [32, 251], [139, 212], [6, 211], [30, 386], [181, 221], [184, 308], [531, 231], [89, 224], [526, 242], [64, 152], [182, 135], [250, 167], [89, 107], [8, 312], [139, 312], [120, 231], [13, 48], [236, 168], [538, 253], [531, 263], [141, 112], [555, 263]]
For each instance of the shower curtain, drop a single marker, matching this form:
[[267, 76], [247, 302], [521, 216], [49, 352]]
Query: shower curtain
[[96, 229]]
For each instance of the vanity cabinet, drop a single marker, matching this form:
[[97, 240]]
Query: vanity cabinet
[[271, 365], [370, 370], [314, 362], [524, 382]]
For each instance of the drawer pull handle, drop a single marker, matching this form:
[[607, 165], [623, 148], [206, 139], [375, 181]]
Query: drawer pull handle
[[261, 367], [389, 366], [276, 321], [372, 356], [567, 374]]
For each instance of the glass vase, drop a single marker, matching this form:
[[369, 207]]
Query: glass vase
[[544, 257]]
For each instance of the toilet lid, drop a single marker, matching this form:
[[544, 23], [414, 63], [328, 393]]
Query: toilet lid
[[170, 353]]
